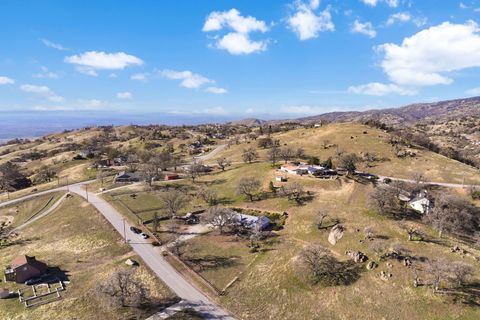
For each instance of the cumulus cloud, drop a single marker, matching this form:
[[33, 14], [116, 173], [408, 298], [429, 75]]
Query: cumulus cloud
[[53, 45], [42, 91], [473, 91], [140, 77], [6, 80], [46, 74], [427, 57], [398, 17], [216, 90], [188, 79], [306, 23], [238, 41], [380, 89], [126, 95], [364, 28], [373, 3], [89, 62]]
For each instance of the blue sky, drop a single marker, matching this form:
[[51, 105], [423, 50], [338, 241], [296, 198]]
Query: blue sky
[[270, 59]]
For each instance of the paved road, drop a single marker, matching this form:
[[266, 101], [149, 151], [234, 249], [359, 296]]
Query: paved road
[[154, 259], [212, 153]]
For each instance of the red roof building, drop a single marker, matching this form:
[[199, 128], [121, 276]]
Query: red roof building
[[24, 268]]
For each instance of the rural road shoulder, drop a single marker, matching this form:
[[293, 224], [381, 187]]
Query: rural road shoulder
[[154, 259]]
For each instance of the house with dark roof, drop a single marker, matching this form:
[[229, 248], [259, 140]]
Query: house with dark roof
[[125, 177], [24, 268]]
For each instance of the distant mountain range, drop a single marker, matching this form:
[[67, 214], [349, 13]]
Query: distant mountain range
[[435, 111]]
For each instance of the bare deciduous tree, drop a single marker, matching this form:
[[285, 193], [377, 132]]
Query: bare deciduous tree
[[210, 196], [287, 154], [220, 217], [249, 155], [248, 186], [293, 191], [123, 289], [173, 201], [223, 162], [453, 214]]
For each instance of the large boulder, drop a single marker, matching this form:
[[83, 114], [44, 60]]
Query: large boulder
[[336, 234], [357, 256]]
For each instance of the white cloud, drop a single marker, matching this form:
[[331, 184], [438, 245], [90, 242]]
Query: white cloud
[[216, 90], [473, 91], [306, 23], [232, 19], [215, 111], [53, 45], [420, 21], [42, 91], [52, 108], [373, 3], [364, 28], [380, 89], [239, 41], [126, 95], [463, 6], [392, 3], [90, 61], [94, 103], [140, 77], [427, 57], [399, 17], [302, 110], [188, 79], [46, 74], [6, 80]]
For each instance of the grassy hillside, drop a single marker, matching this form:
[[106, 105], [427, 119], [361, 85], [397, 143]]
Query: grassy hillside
[[76, 239], [357, 138]]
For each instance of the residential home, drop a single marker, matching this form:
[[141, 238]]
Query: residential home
[[252, 222], [125, 177], [420, 204], [293, 169], [24, 268]]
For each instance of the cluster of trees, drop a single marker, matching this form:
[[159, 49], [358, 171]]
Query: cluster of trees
[[11, 178]]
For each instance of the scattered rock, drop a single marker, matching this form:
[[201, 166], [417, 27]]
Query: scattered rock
[[389, 265], [372, 265], [407, 262], [336, 234], [130, 262], [357, 256], [385, 276]]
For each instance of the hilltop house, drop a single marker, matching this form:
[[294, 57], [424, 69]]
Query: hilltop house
[[252, 222], [293, 169], [125, 177], [24, 268], [420, 204]]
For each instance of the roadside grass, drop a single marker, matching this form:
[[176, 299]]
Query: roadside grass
[[218, 258], [22, 211], [86, 249]]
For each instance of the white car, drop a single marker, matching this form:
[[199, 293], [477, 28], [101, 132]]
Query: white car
[[144, 235]]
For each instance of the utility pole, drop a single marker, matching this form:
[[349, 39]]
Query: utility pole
[[68, 189], [124, 231], [86, 191]]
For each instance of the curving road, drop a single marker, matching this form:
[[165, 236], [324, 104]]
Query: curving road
[[153, 258]]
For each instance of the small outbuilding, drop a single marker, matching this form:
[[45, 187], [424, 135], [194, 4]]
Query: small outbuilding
[[125, 177]]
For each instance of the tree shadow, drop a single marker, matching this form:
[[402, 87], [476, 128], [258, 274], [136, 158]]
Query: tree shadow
[[210, 262]]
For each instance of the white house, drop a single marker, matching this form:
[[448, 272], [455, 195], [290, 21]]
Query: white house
[[258, 223], [420, 204], [293, 169]]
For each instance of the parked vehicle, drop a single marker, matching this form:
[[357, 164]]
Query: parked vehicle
[[135, 230], [145, 236]]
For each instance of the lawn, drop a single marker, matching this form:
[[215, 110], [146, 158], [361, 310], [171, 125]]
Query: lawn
[[86, 249]]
